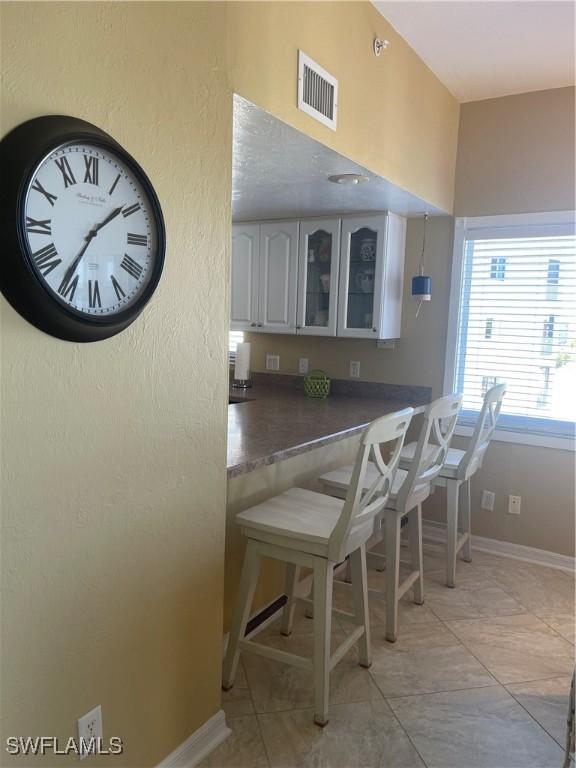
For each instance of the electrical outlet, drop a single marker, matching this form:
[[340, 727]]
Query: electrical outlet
[[272, 362], [488, 498], [514, 505], [89, 729], [355, 369], [303, 365]]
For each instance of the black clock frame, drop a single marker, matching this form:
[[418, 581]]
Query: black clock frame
[[21, 152]]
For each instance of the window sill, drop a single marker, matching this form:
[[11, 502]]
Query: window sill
[[525, 438]]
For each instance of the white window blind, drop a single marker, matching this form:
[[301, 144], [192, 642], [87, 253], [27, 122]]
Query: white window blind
[[517, 324], [234, 338]]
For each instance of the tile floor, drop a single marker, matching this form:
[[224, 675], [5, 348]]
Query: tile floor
[[478, 678]]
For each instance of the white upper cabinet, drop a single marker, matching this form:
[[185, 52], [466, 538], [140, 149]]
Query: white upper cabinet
[[278, 277], [318, 263], [244, 276], [321, 277], [371, 276]]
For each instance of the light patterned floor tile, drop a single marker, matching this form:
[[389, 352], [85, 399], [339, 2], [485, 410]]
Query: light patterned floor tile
[[276, 686], [482, 728], [547, 702], [360, 735], [451, 604], [563, 623], [243, 749], [238, 700], [541, 590], [446, 667], [516, 648]]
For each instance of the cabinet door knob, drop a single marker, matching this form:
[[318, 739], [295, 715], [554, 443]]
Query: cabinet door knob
[[252, 325], [374, 329], [259, 325], [298, 327]]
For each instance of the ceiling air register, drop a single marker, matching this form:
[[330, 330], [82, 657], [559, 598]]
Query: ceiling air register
[[317, 91]]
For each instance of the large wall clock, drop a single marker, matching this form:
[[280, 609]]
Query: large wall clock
[[83, 236]]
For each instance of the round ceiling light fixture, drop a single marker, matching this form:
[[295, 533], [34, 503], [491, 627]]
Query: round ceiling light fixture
[[348, 178]]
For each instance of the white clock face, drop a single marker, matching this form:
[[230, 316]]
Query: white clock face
[[91, 229]]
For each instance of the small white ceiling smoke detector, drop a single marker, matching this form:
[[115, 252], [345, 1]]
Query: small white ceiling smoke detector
[[348, 178]]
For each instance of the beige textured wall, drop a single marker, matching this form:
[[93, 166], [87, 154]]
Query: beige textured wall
[[113, 475], [395, 116], [516, 154]]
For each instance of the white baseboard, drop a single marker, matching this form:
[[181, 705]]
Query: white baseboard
[[199, 744], [436, 532]]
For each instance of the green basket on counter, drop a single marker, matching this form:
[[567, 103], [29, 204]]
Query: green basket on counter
[[317, 384]]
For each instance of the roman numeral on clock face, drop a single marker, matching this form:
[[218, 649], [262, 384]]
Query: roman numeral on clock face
[[130, 210], [131, 266], [137, 239], [118, 288], [66, 288], [94, 294], [91, 175], [41, 227], [46, 259], [37, 187], [64, 167]]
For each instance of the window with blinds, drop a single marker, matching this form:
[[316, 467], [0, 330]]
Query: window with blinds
[[517, 324], [234, 338]]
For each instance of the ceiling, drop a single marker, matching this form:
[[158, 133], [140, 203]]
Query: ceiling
[[489, 48], [278, 172]]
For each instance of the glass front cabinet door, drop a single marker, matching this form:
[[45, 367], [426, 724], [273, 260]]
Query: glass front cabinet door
[[371, 276], [318, 265]]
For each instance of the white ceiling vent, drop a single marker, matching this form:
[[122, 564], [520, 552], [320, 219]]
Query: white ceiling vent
[[317, 91]]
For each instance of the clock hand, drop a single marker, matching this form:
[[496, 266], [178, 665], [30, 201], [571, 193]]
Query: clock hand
[[108, 218], [89, 237]]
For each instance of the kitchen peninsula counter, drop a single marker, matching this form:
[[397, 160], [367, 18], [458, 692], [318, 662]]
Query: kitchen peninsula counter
[[274, 420]]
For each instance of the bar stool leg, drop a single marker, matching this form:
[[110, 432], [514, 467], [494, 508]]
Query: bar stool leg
[[360, 597], [452, 531], [292, 576], [248, 582], [415, 536], [392, 534], [466, 522], [323, 580]]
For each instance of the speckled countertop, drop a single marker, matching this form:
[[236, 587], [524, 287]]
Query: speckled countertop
[[275, 420]]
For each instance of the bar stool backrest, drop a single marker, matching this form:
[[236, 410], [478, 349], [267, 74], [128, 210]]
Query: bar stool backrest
[[483, 432], [436, 433], [362, 506]]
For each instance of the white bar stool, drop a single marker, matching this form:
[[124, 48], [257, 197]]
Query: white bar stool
[[310, 529], [459, 466], [410, 489]]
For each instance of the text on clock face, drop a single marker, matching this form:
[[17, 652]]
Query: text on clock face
[[90, 228]]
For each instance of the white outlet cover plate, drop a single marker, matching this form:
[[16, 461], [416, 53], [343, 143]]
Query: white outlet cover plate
[[514, 503], [355, 369], [488, 498], [272, 362], [303, 365], [89, 726]]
